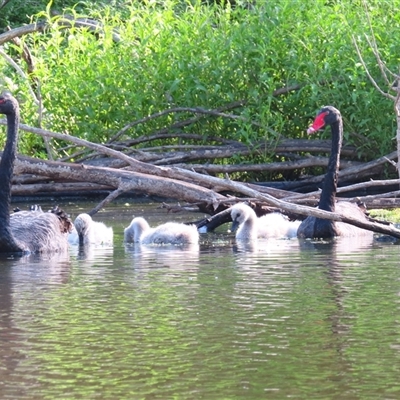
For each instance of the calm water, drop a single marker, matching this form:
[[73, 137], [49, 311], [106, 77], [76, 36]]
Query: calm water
[[284, 319]]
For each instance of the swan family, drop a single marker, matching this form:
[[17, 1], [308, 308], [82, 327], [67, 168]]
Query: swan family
[[37, 231]]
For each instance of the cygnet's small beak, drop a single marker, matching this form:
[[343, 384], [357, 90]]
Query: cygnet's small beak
[[234, 226]]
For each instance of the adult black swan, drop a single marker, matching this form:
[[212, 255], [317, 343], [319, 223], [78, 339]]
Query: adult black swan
[[25, 231], [313, 227]]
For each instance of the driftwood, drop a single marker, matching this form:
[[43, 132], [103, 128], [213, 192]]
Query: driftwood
[[350, 169], [175, 183], [117, 179], [164, 155]]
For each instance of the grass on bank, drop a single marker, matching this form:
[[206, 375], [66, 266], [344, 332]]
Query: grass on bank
[[392, 215]]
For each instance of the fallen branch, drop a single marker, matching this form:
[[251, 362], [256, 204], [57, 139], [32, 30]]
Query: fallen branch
[[170, 182], [163, 183]]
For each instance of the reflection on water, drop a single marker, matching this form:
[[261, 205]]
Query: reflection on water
[[91, 254], [265, 246], [163, 256], [224, 320], [25, 284], [38, 268], [340, 245]]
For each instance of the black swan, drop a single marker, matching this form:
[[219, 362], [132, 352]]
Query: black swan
[[88, 231], [176, 233], [249, 227], [313, 227], [25, 231]]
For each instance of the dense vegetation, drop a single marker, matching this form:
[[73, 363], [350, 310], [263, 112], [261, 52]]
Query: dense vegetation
[[189, 53]]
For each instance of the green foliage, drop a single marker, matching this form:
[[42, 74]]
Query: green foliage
[[18, 12], [392, 215], [198, 54]]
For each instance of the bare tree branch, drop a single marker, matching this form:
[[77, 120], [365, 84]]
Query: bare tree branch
[[19, 72], [22, 30], [376, 86], [217, 112]]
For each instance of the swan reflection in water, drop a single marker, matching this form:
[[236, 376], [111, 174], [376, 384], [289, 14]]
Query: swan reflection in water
[[27, 285], [33, 268], [92, 255], [265, 246], [264, 254], [340, 245], [175, 257]]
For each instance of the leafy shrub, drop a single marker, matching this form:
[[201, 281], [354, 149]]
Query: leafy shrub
[[194, 54]]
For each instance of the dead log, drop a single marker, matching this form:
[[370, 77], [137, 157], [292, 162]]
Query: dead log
[[350, 173], [22, 30], [127, 160], [52, 187], [171, 187], [302, 210], [117, 179], [48, 186], [167, 155], [213, 222], [170, 182], [305, 162], [340, 190]]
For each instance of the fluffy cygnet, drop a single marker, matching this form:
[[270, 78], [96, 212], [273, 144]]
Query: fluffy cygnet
[[88, 231], [139, 231], [249, 227]]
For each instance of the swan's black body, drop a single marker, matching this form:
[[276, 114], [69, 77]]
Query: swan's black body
[[313, 227], [9, 107], [24, 231]]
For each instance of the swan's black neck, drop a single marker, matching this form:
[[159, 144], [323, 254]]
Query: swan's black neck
[[328, 194], [7, 243]]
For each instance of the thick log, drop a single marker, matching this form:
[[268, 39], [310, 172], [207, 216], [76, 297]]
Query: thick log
[[349, 172], [167, 155], [47, 186], [170, 182], [263, 167], [125, 180], [57, 188], [117, 179]]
